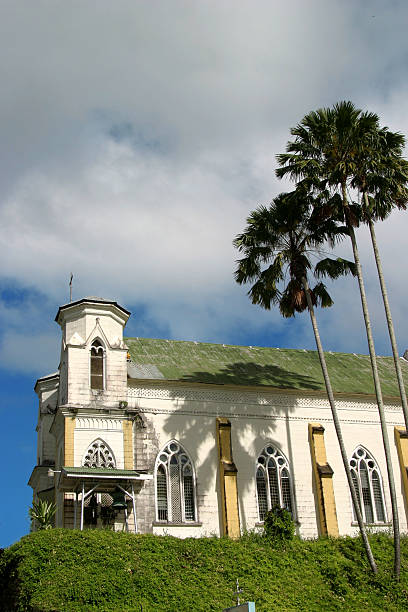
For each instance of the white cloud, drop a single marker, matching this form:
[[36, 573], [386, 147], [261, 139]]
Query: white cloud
[[136, 137]]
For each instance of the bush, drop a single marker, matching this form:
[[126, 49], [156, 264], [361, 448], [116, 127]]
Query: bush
[[279, 524], [104, 571]]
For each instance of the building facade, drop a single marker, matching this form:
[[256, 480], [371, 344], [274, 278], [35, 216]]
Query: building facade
[[195, 439]]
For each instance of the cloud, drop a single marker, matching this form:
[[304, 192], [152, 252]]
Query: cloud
[[29, 340], [137, 137]]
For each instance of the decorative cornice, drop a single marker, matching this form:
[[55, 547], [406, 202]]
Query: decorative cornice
[[247, 396], [248, 415], [98, 423]]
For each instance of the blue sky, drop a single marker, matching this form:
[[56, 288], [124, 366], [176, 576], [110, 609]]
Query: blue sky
[[136, 138]]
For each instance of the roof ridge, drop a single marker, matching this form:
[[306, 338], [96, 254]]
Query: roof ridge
[[249, 346]]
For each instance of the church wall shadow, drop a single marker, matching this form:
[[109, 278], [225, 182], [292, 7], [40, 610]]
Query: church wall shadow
[[253, 423]]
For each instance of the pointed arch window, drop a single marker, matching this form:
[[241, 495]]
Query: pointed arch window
[[368, 485], [175, 485], [99, 455], [273, 482], [97, 365]]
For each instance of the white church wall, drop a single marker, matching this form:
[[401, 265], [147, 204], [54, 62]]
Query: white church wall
[[368, 435], [47, 447], [79, 389], [84, 320], [184, 531], [48, 397], [87, 430], [198, 440], [188, 414]]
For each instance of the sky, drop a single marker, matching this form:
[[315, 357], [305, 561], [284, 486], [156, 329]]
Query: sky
[[136, 137]]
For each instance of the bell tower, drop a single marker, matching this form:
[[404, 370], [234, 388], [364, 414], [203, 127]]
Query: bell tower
[[93, 369]]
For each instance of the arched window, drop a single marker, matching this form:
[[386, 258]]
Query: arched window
[[99, 455], [273, 486], [368, 486], [97, 365], [175, 485]]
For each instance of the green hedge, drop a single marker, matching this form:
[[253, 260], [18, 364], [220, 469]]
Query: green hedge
[[62, 570]]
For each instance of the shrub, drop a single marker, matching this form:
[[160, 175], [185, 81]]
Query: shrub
[[279, 524], [42, 514]]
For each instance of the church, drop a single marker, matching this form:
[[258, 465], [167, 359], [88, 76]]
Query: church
[[194, 439]]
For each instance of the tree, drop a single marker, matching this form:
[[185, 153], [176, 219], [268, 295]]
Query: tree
[[42, 513], [278, 244], [328, 152], [382, 180]]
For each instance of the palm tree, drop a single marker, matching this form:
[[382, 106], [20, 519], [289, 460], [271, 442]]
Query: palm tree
[[327, 153], [277, 245], [42, 513], [382, 180]]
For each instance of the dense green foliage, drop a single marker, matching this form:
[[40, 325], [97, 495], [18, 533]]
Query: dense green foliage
[[62, 570], [279, 525]]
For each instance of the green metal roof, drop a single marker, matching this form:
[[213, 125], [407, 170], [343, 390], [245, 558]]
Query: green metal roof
[[100, 471], [220, 364]]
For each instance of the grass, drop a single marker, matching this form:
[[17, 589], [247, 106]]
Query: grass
[[65, 570]]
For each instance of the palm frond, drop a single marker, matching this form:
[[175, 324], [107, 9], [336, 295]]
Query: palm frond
[[334, 268], [322, 297]]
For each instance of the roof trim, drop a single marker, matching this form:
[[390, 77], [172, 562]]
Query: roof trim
[[90, 300], [341, 395], [46, 378], [110, 474]]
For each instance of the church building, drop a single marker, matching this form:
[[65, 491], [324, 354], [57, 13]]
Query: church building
[[195, 439]]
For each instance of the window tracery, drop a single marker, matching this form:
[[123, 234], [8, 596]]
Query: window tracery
[[273, 483], [368, 485], [175, 485], [99, 455]]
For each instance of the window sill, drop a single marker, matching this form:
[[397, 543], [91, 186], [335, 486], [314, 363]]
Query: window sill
[[355, 524], [262, 523], [166, 524]]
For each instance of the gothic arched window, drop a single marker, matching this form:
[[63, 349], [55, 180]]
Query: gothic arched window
[[97, 365], [99, 455], [175, 485], [368, 485], [273, 486]]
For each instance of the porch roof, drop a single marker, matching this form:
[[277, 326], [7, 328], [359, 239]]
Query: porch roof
[[71, 476]]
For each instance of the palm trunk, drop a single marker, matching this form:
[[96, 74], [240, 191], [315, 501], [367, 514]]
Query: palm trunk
[[378, 393], [337, 427], [390, 323]]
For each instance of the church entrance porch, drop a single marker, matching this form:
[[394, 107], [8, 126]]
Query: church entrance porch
[[100, 497]]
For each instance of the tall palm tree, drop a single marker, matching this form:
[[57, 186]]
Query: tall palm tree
[[278, 244], [382, 179], [329, 147]]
